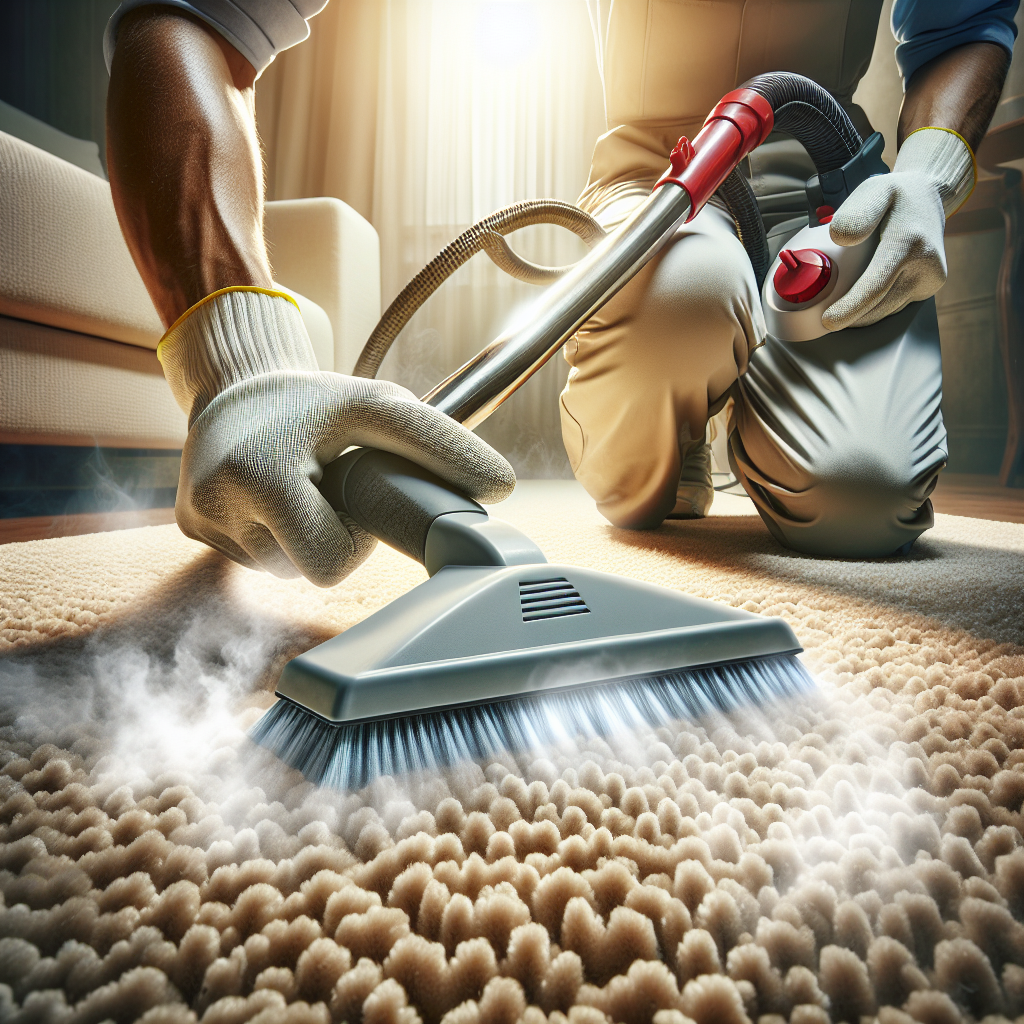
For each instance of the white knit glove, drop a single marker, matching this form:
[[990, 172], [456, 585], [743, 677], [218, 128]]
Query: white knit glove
[[264, 421], [933, 176]]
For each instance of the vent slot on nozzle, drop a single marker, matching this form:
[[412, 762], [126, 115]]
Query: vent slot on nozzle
[[550, 599]]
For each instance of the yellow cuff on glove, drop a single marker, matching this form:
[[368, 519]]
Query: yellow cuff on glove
[[232, 335], [945, 157]]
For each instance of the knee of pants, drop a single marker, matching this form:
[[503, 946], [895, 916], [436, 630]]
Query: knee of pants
[[630, 461], [861, 502], [840, 441], [646, 368]]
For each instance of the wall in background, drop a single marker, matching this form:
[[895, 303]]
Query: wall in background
[[51, 63]]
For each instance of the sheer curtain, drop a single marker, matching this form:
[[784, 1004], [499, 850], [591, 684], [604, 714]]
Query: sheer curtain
[[427, 115]]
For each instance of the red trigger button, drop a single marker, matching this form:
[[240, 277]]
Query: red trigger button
[[681, 155]]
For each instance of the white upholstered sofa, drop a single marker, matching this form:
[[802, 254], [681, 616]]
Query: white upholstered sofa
[[78, 332]]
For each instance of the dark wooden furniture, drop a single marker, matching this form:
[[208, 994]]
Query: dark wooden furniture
[[998, 201]]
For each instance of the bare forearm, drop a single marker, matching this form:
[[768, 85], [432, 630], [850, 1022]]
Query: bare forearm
[[958, 89], [183, 158]]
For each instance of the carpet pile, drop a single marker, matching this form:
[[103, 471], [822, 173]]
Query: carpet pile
[[858, 854]]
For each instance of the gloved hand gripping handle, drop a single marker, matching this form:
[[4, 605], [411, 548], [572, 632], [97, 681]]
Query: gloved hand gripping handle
[[419, 514]]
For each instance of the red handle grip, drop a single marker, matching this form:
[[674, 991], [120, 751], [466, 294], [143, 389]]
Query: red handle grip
[[740, 122]]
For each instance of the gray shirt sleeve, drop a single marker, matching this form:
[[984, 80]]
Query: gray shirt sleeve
[[258, 29]]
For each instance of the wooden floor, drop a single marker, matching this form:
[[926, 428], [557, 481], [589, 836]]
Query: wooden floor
[[978, 497], [45, 527]]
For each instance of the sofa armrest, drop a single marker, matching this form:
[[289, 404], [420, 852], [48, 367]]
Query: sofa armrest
[[323, 249], [63, 261]]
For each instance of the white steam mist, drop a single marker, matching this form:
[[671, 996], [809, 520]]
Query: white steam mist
[[134, 708], [148, 713]]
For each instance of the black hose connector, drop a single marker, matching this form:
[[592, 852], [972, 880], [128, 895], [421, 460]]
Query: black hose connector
[[812, 115], [816, 119], [739, 199]]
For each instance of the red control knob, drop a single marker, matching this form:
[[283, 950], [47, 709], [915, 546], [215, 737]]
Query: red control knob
[[681, 155], [804, 272]]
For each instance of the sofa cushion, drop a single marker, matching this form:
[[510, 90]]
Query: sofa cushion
[[83, 153], [58, 387]]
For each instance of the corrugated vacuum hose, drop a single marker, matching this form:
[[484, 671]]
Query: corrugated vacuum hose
[[486, 235]]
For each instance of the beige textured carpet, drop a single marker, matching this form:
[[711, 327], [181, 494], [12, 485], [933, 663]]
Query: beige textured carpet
[[858, 854]]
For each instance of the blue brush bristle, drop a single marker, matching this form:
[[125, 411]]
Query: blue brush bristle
[[348, 755]]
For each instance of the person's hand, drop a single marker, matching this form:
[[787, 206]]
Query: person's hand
[[264, 421], [932, 177]]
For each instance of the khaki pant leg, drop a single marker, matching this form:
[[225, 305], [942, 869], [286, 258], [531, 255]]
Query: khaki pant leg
[[647, 367], [839, 441]]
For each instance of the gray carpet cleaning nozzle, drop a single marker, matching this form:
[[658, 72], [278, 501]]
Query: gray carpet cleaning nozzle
[[499, 650]]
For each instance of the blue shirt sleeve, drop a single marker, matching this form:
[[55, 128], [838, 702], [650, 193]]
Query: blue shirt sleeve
[[926, 28]]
